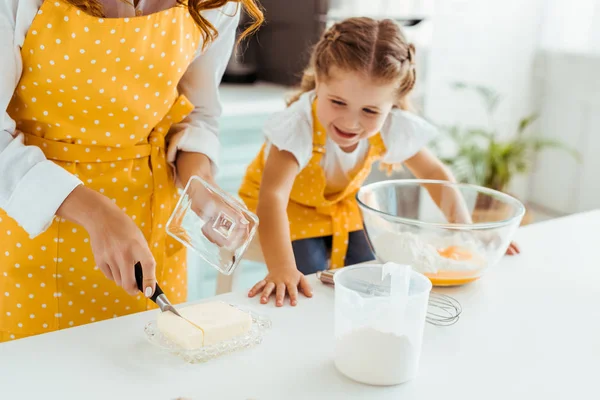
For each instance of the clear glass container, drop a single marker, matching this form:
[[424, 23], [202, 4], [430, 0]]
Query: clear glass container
[[380, 313], [213, 224], [452, 241]]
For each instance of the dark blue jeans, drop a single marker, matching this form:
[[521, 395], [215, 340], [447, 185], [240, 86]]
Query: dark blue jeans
[[312, 254]]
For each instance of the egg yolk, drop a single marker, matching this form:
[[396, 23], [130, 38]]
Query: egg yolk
[[453, 278]]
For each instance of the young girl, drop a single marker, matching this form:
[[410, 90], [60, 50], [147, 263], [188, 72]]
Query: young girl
[[351, 112], [98, 99]]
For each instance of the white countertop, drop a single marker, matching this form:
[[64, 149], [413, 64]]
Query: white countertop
[[530, 330]]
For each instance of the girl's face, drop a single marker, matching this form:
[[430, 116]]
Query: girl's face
[[352, 107]]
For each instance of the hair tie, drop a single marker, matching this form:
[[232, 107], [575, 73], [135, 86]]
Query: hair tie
[[411, 54], [333, 35]]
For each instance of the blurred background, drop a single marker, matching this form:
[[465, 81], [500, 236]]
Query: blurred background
[[513, 85]]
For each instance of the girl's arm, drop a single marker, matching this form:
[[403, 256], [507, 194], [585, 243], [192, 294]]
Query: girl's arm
[[278, 178], [425, 165], [274, 230]]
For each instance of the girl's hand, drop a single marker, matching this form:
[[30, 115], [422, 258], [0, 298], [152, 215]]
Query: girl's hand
[[278, 178], [513, 249], [117, 243], [280, 281]]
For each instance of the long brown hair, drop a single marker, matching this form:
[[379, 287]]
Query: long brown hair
[[195, 7], [375, 48]]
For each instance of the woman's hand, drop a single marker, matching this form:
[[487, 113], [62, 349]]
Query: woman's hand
[[117, 243], [280, 281]]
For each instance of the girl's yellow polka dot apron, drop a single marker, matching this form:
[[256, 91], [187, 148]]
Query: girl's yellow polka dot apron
[[98, 96], [311, 213]]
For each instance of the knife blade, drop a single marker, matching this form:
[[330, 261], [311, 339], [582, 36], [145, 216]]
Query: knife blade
[[158, 296]]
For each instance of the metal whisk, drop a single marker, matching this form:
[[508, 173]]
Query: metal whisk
[[443, 310]]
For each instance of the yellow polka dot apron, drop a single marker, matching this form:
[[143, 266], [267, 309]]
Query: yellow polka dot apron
[[98, 97], [310, 212]]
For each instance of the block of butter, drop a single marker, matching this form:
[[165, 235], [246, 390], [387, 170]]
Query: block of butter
[[204, 324]]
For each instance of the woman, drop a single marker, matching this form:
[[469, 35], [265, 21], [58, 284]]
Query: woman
[[99, 100]]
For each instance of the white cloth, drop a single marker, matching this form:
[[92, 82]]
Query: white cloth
[[291, 130], [32, 188]]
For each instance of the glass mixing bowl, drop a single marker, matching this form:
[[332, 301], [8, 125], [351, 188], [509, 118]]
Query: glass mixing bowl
[[452, 240]]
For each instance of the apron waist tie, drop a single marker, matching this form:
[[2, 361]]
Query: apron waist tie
[[340, 218], [80, 153]]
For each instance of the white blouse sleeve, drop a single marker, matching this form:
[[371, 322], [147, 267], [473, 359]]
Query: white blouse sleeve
[[291, 130], [32, 188], [200, 84], [404, 135]]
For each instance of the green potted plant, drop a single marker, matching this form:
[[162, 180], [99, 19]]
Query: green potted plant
[[479, 156]]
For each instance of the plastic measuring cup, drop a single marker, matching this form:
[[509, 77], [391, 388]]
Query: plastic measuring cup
[[380, 315]]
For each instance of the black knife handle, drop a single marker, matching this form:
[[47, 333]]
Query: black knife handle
[[139, 278]]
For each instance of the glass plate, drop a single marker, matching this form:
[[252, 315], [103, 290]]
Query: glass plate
[[260, 326]]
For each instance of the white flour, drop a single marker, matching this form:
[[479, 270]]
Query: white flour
[[421, 252], [376, 358]]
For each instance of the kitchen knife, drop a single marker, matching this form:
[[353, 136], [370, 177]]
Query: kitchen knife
[[158, 296]]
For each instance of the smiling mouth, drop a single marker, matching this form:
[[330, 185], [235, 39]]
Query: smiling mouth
[[344, 134]]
